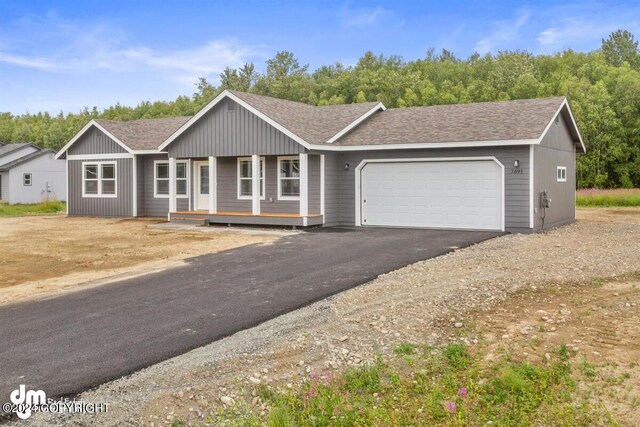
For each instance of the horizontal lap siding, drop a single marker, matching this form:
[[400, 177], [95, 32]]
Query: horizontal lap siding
[[94, 141], [314, 184], [120, 206], [516, 185], [238, 132], [228, 187], [331, 189], [271, 204]]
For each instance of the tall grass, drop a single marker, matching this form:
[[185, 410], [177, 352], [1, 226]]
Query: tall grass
[[607, 198], [49, 207]]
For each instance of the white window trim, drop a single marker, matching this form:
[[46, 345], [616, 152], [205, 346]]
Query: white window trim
[[280, 196], [155, 179], [264, 177], [558, 178], [99, 194], [24, 179]]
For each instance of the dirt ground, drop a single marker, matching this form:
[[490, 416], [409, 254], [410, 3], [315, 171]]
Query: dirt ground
[[42, 255]]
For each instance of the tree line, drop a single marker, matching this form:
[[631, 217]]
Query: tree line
[[603, 88]]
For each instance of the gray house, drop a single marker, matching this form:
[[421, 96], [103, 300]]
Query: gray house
[[251, 159], [30, 174]]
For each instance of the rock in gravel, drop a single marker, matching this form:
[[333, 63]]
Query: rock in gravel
[[229, 401], [254, 380], [458, 325]]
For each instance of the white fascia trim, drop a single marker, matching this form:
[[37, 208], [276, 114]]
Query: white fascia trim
[[86, 128], [364, 162], [531, 189], [105, 156], [148, 152], [564, 104], [377, 107], [426, 145], [226, 94]]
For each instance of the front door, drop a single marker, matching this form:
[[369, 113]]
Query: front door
[[201, 199]]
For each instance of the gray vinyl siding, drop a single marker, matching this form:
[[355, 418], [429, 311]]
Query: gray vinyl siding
[[120, 206], [332, 188], [227, 180], [516, 184], [94, 141], [271, 204], [154, 206], [556, 149], [223, 132], [314, 184]]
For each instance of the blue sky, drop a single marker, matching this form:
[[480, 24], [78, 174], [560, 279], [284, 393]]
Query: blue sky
[[65, 55]]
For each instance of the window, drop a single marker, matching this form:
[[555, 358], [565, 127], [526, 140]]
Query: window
[[245, 175], [99, 179], [26, 179], [161, 179], [561, 174], [289, 178]]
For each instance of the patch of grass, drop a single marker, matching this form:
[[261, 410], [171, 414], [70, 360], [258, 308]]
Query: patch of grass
[[49, 207], [593, 197], [405, 348], [445, 387]]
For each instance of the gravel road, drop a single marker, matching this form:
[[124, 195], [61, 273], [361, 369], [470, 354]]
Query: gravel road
[[419, 303]]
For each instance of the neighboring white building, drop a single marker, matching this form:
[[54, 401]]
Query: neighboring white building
[[30, 174]]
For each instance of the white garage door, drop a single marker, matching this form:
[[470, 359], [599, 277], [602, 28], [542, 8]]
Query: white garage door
[[434, 194]]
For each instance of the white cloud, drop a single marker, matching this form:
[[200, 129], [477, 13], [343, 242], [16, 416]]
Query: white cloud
[[575, 29], [90, 46], [504, 32], [362, 18]]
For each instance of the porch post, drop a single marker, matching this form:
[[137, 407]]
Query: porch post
[[212, 185], [172, 185], [304, 185], [255, 184]]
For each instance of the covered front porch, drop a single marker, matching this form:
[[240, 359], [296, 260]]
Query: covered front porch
[[288, 191]]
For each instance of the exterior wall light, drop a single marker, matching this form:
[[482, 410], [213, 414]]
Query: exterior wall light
[[516, 163], [347, 166]]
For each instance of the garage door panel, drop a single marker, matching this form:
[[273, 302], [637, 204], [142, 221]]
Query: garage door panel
[[442, 194]]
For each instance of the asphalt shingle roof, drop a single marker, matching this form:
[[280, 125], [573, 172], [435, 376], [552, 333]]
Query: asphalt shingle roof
[[484, 121], [24, 159], [314, 124], [143, 134], [6, 149]]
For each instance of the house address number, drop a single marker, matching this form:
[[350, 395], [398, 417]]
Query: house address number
[[517, 171]]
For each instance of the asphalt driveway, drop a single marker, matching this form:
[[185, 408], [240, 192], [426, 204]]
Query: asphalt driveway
[[67, 344]]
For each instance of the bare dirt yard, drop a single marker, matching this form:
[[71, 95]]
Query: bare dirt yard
[[516, 296], [42, 255]]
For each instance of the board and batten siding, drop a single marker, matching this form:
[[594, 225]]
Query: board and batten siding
[[120, 206], [556, 149], [229, 129], [516, 184], [94, 141]]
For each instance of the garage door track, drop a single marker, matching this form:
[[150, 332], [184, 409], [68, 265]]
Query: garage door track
[[69, 343]]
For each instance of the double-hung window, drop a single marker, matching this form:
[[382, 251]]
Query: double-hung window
[[245, 176], [161, 179], [289, 178], [27, 179], [99, 179]]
